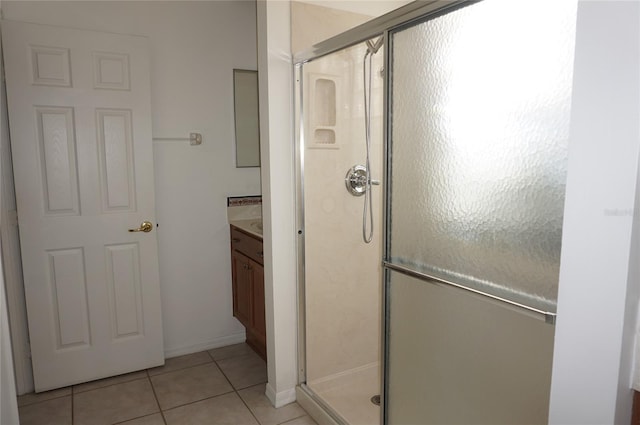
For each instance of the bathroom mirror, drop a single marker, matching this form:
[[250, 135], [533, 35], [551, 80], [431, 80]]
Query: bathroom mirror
[[247, 123]]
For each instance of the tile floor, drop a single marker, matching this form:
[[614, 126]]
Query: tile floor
[[221, 386]]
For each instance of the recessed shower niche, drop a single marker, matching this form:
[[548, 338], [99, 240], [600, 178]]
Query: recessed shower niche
[[324, 99]]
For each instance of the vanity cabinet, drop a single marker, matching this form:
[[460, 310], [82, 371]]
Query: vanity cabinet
[[248, 287]]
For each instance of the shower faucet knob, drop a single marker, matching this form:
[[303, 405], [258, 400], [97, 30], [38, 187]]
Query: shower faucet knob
[[356, 180]]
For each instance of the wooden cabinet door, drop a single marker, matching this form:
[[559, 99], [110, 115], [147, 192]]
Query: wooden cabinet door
[[258, 319], [241, 279]]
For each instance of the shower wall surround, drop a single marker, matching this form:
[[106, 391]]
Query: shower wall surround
[[343, 280], [342, 272], [311, 23]]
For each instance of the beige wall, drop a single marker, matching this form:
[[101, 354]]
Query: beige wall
[[311, 23], [371, 8]]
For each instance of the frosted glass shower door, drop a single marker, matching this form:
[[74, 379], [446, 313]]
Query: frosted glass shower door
[[479, 101]]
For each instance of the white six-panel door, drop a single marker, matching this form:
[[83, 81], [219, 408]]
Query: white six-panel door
[[80, 122]]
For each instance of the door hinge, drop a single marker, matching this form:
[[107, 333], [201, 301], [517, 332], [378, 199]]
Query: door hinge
[[27, 349]]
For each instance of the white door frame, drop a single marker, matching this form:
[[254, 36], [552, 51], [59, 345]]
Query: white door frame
[[11, 258]]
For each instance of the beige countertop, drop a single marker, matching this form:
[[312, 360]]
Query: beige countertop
[[252, 226]]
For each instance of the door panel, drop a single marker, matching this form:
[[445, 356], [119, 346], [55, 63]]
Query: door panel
[[258, 313], [57, 146], [116, 162], [80, 120], [241, 288], [69, 286], [123, 280]]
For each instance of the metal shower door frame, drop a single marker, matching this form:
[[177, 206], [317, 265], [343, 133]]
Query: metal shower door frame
[[382, 26]]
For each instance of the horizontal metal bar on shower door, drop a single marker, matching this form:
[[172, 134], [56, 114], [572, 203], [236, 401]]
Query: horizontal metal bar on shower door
[[546, 316]]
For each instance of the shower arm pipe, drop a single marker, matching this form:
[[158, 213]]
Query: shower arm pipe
[[546, 316]]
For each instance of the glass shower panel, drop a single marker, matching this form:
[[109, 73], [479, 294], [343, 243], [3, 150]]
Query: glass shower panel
[[458, 359], [480, 102], [342, 274]]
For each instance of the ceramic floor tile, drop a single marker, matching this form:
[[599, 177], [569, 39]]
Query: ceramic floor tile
[[230, 351], [31, 398], [181, 362], [263, 410], [226, 409], [101, 383], [50, 412], [188, 385], [304, 420], [115, 403], [155, 419], [244, 371]]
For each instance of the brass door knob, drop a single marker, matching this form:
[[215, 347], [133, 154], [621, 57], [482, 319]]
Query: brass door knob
[[145, 226]]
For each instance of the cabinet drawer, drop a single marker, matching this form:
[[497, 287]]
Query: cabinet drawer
[[249, 246]]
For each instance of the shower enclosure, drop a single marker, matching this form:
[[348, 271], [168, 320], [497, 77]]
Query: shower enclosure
[[448, 313]]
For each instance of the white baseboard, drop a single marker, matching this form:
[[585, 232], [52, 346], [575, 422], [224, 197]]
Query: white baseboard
[[282, 398], [222, 341]]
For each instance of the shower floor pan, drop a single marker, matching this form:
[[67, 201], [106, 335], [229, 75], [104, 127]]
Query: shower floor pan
[[349, 394]]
